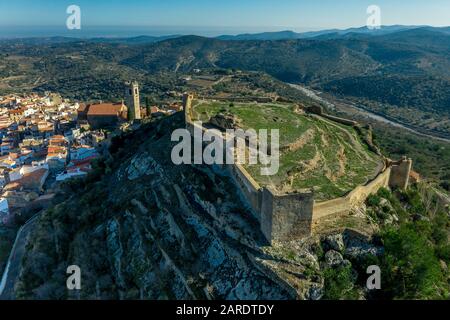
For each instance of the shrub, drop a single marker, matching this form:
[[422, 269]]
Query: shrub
[[373, 200], [339, 283]]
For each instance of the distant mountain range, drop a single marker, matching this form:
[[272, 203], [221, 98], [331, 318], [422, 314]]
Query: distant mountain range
[[113, 40], [351, 33], [331, 33]]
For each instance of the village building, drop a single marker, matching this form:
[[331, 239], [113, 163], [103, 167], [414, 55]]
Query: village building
[[105, 115], [16, 114], [29, 178], [56, 158]]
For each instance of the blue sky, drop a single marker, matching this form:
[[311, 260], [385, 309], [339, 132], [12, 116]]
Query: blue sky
[[223, 15]]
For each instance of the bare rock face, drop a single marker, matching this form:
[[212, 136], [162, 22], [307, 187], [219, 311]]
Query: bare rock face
[[115, 250], [172, 241], [315, 292], [333, 258], [141, 165], [358, 248], [215, 254], [334, 242]]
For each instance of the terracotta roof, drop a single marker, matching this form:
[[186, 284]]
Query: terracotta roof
[[57, 141], [56, 149], [105, 109], [12, 186], [28, 181], [82, 107]]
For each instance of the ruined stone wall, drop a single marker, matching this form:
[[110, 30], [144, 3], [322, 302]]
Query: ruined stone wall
[[318, 110], [359, 195], [394, 176], [287, 216], [343, 121], [401, 171], [290, 216], [187, 106], [266, 213], [331, 207], [355, 198], [281, 216], [249, 189], [248, 186]]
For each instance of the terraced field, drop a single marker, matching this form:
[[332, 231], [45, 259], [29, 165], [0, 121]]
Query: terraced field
[[315, 152]]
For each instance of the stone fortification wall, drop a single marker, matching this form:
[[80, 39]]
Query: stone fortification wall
[[290, 216], [401, 171], [248, 186], [286, 216], [355, 198], [343, 121]]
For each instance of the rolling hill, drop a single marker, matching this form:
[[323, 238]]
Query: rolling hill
[[405, 68]]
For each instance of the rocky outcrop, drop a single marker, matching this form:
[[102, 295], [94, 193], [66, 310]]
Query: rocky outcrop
[[225, 121], [141, 165], [334, 242], [333, 258]]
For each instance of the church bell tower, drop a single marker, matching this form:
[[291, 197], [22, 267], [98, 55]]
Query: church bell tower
[[132, 100]]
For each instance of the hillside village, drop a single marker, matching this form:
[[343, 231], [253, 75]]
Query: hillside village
[[42, 143], [46, 139]]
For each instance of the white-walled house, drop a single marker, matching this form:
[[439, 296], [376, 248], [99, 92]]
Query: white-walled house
[[30, 111], [69, 174], [33, 167]]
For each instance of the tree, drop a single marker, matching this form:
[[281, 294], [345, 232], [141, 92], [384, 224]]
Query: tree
[[410, 267], [339, 283]]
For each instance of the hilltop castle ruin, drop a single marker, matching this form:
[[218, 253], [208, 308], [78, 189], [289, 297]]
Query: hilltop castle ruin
[[287, 216]]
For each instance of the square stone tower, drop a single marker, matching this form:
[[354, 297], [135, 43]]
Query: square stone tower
[[132, 100], [400, 172]]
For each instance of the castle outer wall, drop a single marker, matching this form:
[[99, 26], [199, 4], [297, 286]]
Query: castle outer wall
[[354, 199], [291, 216]]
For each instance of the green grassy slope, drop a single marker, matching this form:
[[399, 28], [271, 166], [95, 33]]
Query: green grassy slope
[[315, 152]]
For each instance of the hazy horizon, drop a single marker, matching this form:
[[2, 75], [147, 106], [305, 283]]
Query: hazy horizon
[[156, 31], [114, 18]]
